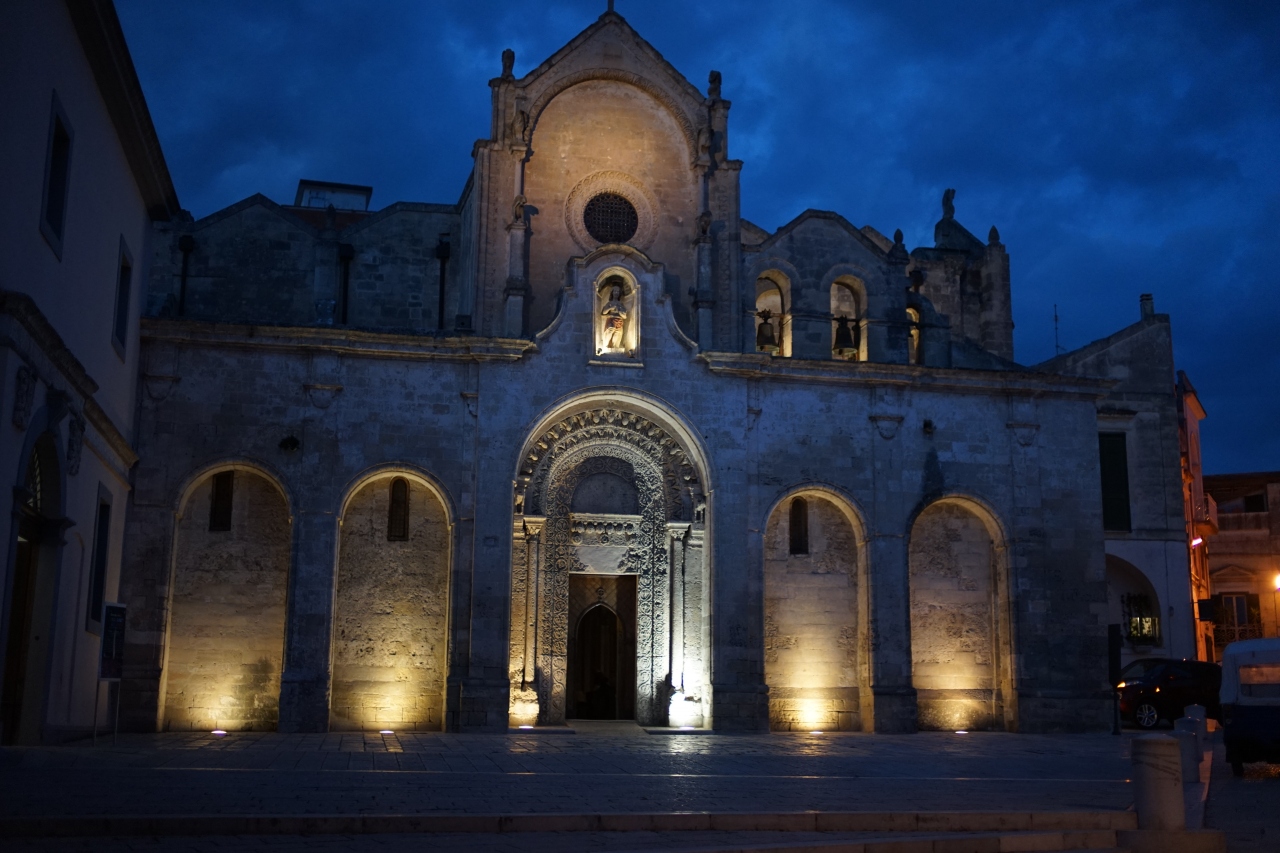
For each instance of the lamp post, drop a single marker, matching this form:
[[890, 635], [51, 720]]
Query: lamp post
[[1275, 604]]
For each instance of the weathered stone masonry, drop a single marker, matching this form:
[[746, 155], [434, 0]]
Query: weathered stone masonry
[[596, 427]]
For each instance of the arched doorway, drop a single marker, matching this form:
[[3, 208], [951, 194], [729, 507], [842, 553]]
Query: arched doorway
[[602, 684], [610, 509], [961, 655], [391, 609], [29, 620], [227, 617]]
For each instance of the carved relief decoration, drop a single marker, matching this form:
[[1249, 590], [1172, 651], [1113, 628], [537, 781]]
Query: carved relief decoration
[[24, 396], [611, 182], [584, 444], [75, 443]]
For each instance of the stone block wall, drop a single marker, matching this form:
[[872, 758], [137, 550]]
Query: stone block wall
[[227, 623], [811, 642], [952, 620], [389, 634]]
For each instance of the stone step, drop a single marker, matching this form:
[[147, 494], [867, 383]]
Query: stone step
[[868, 822]]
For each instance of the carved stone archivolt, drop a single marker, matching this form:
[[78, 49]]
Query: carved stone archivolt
[[623, 444]]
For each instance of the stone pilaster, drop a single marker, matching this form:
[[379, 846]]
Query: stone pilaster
[[304, 687]]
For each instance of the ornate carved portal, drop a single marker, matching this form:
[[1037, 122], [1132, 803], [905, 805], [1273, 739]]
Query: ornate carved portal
[[663, 550]]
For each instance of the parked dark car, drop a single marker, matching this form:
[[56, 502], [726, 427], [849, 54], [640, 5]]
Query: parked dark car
[[1155, 689]]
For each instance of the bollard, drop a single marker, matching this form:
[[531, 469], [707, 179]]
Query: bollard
[[1197, 713], [1185, 731], [1157, 783]]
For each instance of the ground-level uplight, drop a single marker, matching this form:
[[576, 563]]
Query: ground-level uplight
[[526, 727], [815, 733], [961, 732], [386, 732], [218, 732]]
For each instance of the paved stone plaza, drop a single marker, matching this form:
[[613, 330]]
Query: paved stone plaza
[[605, 767]]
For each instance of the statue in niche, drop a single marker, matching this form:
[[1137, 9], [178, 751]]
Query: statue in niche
[[704, 223], [517, 208], [614, 320]]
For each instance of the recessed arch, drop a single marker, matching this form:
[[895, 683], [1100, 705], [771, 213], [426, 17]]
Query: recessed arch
[[662, 553], [391, 603], [816, 625], [228, 590], [616, 75], [961, 616]]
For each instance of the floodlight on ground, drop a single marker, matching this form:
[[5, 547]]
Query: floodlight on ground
[[961, 732], [218, 732], [386, 732]]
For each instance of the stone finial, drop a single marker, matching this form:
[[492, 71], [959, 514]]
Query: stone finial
[[993, 237], [898, 252], [1147, 305], [508, 63], [713, 85], [949, 204]]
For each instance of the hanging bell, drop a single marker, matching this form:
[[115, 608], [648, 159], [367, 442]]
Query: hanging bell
[[847, 340], [766, 341]]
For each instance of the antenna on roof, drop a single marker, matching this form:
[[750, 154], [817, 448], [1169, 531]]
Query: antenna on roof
[[1057, 348]]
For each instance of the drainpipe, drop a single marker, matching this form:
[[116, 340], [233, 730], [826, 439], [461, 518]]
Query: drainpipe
[[345, 253], [442, 255], [186, 244]]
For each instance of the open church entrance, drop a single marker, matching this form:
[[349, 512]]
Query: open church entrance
[[602, 648], [608, 580]]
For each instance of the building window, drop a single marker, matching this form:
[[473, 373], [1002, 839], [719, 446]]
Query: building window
[[799, 527], [1255, 503], [1113, 456], [57, 175], [1141, 620], [98, 575], [398, 511], [124, 283], [610, 218], [1236, 616], [220, 502]]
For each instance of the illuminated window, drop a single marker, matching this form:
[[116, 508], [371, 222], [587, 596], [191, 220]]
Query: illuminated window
[[220, 502], [398, 511], [610, 218], [1141, 621], [799, 527]]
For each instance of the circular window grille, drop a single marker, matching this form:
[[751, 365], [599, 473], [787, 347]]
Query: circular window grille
[[610, 218]]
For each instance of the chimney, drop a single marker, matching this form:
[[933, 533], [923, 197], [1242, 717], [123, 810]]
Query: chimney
[[1148, 306]]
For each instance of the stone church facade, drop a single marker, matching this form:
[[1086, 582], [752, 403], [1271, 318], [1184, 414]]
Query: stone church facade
[[588, 444]]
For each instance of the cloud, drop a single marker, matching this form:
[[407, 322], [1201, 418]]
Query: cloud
[[1121, 146]]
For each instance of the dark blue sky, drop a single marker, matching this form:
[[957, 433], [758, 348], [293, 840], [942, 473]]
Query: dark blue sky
[[1121, 147]]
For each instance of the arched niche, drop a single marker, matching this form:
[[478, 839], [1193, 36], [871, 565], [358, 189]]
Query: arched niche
[[961, 647], [32, 582], [773, 313], [815, 626], [225, 650], [391, 606], [848, 309], [1134, 605], [617, 314], [653, 558]]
